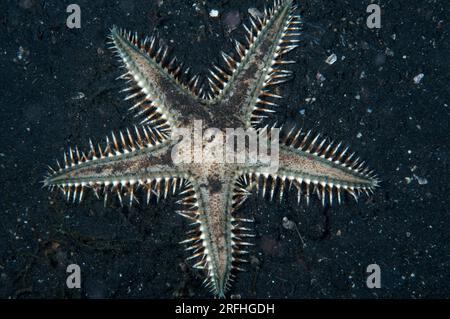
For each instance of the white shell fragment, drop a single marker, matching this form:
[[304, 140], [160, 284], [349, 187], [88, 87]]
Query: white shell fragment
[[255, 13], [214, 13], [421, 180], [418, 78], [331, 59]]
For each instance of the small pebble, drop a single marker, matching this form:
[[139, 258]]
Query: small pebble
[[79, 96], [255, 13], [418, 78], [331, 59], [214, 13], [232, 20], [20, 53], [421, 180], [288, 224], [389, 52], [320, 77]]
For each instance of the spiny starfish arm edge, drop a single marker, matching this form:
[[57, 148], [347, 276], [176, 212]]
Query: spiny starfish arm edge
[[126, 160]]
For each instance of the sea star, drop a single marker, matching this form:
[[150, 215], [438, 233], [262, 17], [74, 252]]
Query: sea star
[[240, 95]]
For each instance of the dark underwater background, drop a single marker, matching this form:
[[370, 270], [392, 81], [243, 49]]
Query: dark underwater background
[[58, 89]]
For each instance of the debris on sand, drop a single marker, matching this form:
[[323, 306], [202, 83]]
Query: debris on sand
[[232, 20], [420, 180], [320, 77], [288, 224], [79, 96], [331, 59], [214, 13], [418, 78], [255, 13]]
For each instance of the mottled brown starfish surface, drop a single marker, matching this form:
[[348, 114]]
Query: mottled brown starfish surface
[[239, 94]]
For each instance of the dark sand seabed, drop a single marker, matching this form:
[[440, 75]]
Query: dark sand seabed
[[58, 89]]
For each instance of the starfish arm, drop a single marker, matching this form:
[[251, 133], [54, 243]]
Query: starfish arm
[[123, 165], [157, 83], [218, 238], [245, 86], [312, 166]]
